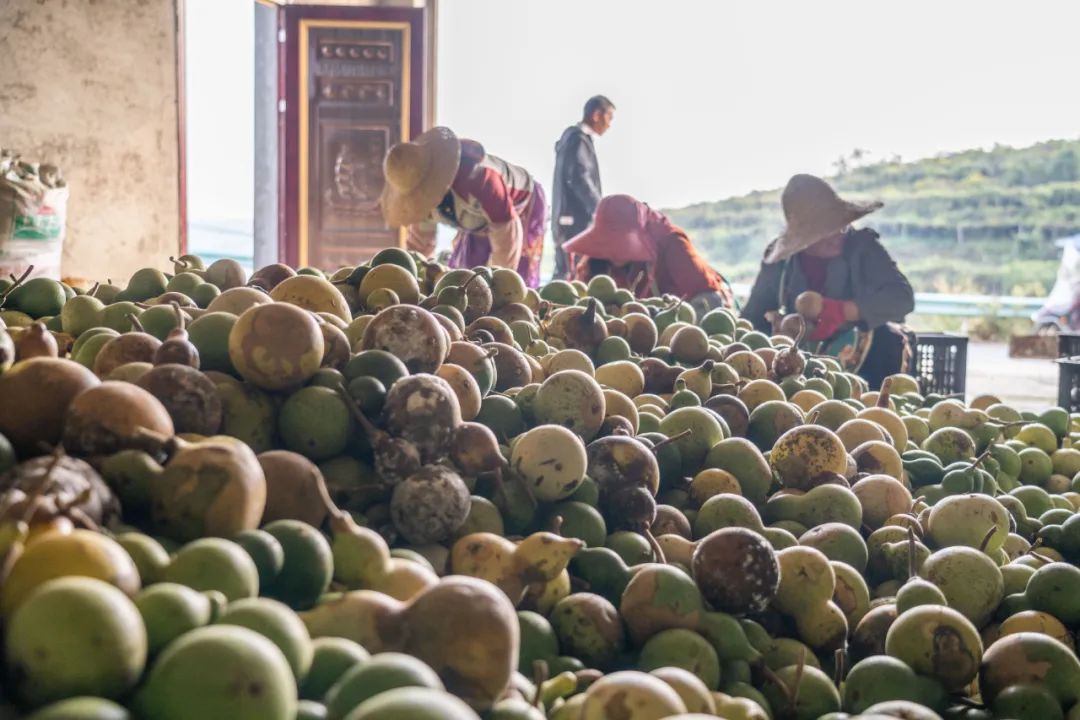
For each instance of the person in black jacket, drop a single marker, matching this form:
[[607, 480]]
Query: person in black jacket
[[576, 190]]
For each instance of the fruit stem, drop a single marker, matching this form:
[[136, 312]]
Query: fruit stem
[[911, 552], [469, 281], [18, 281], [540, 676], [799, 669], [883, 394], [182, 263], [93, 290], [978, 461], [678, 436], [812, 418], [135, 322], [556, 524], [655, 545], [986, 538], [180, 324], [839, 666]]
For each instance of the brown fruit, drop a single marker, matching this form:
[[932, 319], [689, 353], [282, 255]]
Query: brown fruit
[[430, 505], [464, 386], [111, 417], [423, 409], [409, 332], [36, 394], [736, 570], [336, 350], [129, 347], [640, 332], [512, 368], [36, 341], [295, 488], [191, 398]]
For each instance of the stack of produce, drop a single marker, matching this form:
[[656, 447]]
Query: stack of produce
[[402, 492]]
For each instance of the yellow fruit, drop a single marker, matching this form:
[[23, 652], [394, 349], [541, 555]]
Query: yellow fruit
[[807, 400], [624, 376], [803, 453], [315, 294], [617, 403], [891, 422], [712, 481], [80, 552], [1038, 622], [756, 392]]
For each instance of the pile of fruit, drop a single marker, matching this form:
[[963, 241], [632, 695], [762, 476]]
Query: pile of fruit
[[402, 492]]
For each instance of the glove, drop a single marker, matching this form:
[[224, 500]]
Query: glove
[[830, 320]]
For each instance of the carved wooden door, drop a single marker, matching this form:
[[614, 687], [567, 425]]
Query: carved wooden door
[[354, 86]]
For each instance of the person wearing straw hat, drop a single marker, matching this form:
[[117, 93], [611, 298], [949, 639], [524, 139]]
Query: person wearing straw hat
[[497, 208], [645, 253], [865, 296]]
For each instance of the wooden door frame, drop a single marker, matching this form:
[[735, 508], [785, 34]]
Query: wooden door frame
[[297, 166]]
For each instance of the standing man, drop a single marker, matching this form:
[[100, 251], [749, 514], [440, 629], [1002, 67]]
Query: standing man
[[577, 178]]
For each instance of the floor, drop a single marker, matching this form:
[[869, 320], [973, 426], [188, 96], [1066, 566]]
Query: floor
[[1024, 384]]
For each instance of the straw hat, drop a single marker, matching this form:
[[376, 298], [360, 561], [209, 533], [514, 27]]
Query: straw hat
[[813, 212], [617, 233], [418, 174]]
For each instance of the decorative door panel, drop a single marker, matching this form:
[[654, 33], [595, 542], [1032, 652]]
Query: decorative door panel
[[354, 81]]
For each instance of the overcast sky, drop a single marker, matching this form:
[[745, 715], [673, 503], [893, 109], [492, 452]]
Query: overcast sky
[[715, 97]]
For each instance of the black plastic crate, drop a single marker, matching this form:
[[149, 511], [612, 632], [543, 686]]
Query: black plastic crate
[[1069, 383], [1068, 345], [940, 363]]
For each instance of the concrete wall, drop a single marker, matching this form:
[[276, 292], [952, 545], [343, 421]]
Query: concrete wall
[[91, 85]]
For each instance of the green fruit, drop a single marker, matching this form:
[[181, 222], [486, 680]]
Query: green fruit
[[950, 444], [308, 567], [881, 678], [169, 610], [603, 570], [248, 414], [219, 671], [87, 353], [382, 672], [1034, 658], [80, 314], [705, 432], [159, 320], [75, 636], [1055, 589], [265, 551], [117, 316], [538, 641], [917, 591], [205, 294], [332, 657], [684, 649], [632, 547], [938, 642], [215, 564], [816, 693], [1027, 702], [1035, 466], [726, 510], [413, 703], [612, 349], [771, 419], [315, 422], [184, 282], [39, 297], [81, 708], [838, 541], [1036, 501], [145, 284], [742, 459], [210, 336], [277, 623], [588, 627], [718, 322], [310, 710], [149, 556], [580, 521], [559, 292]]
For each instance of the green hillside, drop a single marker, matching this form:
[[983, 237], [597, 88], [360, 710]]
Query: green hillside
[[970, 222]]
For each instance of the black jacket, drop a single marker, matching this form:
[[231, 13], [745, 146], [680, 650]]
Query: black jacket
[[576, 190], [864, 273]]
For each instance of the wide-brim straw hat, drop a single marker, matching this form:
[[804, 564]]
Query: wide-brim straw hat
[[617, 233], [418, 175], [813, 212]]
